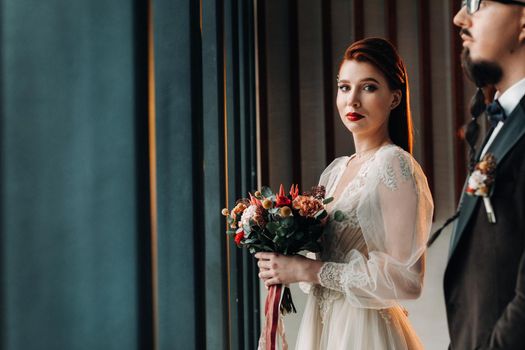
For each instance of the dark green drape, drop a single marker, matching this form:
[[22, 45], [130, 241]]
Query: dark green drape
[[179, 124], [205, 90], [242, 171], [76, 263], [74, 189]]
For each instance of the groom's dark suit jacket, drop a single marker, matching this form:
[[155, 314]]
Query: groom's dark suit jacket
[[485, 276]]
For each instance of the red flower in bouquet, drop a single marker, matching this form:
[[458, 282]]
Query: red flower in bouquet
[[294, 191], [238, 237], [281, 199]]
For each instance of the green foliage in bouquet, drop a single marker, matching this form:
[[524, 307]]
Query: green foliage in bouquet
[[279, 222]]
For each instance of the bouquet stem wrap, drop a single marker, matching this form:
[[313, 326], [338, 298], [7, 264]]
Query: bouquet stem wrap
[[278, 301]]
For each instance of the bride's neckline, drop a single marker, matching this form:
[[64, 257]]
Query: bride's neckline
[[369, 153], [358, 173]]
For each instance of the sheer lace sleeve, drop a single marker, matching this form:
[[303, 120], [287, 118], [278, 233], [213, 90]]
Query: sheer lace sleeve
[[331, 174], [395, 215]]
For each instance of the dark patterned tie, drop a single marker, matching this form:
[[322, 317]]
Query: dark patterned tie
[[495, 113]]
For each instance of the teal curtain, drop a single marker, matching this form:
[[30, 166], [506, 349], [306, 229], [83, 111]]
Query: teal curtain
[[80, 266], [74, 188]]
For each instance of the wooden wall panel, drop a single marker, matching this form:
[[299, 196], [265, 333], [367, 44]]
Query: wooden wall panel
[[343, 32], [278, 90], [408, 39], [311, 96], [374, 19]]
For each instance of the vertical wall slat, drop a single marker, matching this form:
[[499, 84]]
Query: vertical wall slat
[[391, 21], [234, 176], [358, 19], [279, 89], [295, 77], [3, 277], [215, 283], [375, 20], [144, 143], [425, 76], [343, 34], [328, 77], [458, 107], [248, 161], [179, 172], [262, 93], [311, 98], [252, 274]]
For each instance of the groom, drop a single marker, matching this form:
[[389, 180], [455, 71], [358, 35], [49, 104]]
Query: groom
[[485, 277]]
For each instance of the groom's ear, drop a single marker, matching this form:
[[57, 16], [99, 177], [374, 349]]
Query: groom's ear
[[522, 27], [396, 100]]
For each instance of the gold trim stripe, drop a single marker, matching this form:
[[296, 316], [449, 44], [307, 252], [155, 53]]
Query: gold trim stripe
[[228, 253], [153, 175]]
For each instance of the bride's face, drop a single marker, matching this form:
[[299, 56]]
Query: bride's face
[[364, 99]]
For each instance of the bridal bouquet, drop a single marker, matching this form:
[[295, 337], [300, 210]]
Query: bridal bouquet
[[281, 223]]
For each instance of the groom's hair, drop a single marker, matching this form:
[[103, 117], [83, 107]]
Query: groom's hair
[[383, 55]]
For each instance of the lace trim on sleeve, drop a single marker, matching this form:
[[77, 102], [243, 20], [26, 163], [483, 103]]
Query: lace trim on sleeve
[[330, 275], [342, 277]]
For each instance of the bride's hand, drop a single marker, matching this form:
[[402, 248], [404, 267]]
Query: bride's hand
[[281, 269]]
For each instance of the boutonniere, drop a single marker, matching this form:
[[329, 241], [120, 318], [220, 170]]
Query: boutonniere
[[480, 183]]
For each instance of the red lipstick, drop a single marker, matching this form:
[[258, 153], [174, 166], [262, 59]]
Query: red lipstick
[[353, 116]]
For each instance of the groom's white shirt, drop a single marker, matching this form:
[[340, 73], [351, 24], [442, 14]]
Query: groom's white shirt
[[509, 101]]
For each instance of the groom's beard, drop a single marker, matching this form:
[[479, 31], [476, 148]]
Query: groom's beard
[[482, 73]]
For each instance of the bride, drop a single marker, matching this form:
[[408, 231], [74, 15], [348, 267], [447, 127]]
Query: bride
[[376, 255]]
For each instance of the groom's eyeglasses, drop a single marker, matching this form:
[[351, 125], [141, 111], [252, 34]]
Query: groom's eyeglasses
[[473, 5]]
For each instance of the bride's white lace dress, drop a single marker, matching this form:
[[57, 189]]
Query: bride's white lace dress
[[373, 258]]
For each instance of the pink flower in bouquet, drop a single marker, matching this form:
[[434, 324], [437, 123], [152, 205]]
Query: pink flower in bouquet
[[281, 199], [307, 206], [255, 213]]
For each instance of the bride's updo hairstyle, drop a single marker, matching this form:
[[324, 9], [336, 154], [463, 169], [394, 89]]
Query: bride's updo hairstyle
[[382, 55]]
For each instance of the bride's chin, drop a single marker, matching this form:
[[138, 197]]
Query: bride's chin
[[353, 128]]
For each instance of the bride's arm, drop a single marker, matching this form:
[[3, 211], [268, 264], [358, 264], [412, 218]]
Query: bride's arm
[[395, 218], [281, 269]]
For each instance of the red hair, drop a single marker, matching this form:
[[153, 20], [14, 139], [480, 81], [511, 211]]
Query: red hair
[[383, 55]]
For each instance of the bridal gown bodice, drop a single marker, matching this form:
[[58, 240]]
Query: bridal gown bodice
[[340, 238], [373, 258]]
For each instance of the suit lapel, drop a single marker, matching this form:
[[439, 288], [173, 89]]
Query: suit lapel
[[487, 138], [511, 132], [466, 203]]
